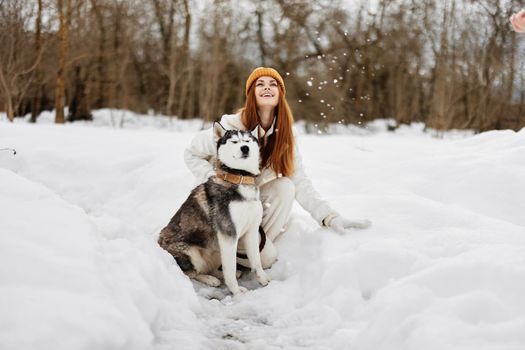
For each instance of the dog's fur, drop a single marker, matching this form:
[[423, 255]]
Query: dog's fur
[[204, 233]]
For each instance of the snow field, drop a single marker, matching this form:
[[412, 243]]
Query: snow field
[[443, 266]]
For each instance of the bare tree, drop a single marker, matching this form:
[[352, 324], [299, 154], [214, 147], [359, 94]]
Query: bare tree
[[449, 64], [63, 53], [16, 68]]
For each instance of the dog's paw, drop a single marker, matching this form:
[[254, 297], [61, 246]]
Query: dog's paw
[[239, 291], [209, 280], [262, 278]]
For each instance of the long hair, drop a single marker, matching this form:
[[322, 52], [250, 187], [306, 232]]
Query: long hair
[[278, 152]]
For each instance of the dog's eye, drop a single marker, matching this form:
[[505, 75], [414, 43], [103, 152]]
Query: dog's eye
[[235, 141]]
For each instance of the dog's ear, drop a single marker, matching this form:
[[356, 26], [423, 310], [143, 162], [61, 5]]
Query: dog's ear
[[255, 132], [218, 130]]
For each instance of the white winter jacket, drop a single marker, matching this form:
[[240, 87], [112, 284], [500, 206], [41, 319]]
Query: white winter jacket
[[201, 153]]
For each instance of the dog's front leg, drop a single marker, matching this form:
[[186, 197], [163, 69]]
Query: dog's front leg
[[251, 245], [228, 248]]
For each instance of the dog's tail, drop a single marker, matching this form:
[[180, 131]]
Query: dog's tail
[[262, 242]]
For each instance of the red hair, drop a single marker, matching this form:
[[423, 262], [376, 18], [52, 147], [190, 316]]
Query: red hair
[[278, 152]]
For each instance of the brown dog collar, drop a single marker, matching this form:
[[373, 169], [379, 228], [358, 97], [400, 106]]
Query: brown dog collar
[[236, 179]]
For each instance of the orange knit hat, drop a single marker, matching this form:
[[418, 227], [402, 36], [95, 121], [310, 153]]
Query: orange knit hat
[[264, 72]]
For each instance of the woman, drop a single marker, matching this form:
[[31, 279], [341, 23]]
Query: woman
[[282, 177]]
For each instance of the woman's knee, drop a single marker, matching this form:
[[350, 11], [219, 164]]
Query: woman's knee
[[268, 254]]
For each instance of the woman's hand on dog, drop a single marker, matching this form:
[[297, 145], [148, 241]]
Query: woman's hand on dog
[[342, 225]]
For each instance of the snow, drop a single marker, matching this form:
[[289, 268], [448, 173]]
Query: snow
[[443, 266]]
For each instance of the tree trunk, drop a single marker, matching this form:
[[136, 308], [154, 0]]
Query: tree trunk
[[79, 106], [60, 90], [185, 71], [172, 56], [100, 99], [172, 76], [37, 104], [260, 36]]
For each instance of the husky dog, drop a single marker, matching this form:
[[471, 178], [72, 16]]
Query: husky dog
[[204, 233]]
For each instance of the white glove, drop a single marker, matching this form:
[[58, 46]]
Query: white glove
[[342, 225]]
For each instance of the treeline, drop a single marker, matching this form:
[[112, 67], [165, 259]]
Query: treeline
[[447, 63]]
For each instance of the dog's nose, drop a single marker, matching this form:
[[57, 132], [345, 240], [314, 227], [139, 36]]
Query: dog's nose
[[245, 149]]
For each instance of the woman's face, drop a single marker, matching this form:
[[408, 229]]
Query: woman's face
[[266, 92]]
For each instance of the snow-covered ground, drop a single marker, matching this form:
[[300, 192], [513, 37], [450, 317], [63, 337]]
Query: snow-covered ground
[[443, 266]]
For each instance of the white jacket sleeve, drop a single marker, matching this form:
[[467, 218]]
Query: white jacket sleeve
[[306, 195], [199, 155]]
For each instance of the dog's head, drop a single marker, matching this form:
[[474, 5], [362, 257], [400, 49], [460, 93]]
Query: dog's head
[[237, 149]]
